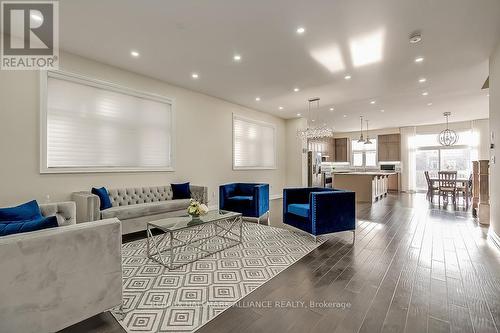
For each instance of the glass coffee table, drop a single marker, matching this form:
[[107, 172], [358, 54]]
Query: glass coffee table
[[185, 239]]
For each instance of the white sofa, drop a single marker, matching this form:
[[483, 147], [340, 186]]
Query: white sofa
[[134, 207], [56, 277]]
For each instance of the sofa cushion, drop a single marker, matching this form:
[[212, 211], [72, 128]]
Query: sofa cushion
[[26, 211], [145, 209], [16, 227], [181, 191], [103, 195], [241, 198], [299, 209]]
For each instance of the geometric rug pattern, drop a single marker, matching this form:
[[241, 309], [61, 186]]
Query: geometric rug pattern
[[156, 299]]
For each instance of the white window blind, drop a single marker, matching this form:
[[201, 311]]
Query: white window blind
[[94, 126], [254, 144]]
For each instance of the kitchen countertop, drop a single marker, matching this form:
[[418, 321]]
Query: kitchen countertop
[[366, 173]]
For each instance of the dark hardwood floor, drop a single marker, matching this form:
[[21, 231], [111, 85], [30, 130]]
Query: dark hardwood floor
[[412, 268]]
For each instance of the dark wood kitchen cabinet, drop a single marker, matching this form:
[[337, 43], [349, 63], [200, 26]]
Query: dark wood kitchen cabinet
[[342, 148], [389, 147]]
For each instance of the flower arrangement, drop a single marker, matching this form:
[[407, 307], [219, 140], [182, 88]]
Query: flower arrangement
[[196, 209]]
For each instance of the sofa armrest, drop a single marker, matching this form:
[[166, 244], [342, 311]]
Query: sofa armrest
[[333, 211], [67, 210], [199, 193], [261, 199], [87, 206], [56, 277]]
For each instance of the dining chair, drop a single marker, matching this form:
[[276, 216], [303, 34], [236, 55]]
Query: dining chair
[[431, 188], [447, 186], [465, 190]]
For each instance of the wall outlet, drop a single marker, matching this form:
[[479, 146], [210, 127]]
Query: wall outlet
[[213, 195]]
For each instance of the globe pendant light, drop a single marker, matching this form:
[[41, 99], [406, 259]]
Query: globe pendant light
[[448, 137], [314, 132]]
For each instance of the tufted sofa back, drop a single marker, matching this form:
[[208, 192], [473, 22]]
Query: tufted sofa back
[[138, 195]]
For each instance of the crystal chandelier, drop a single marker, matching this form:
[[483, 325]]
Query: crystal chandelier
[[314, 132], [448, 137]]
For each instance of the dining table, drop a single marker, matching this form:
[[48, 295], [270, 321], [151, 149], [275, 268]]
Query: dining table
[[461, 183]]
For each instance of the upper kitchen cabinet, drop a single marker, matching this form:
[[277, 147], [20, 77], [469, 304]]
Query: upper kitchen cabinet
[[389, 147], [324, 146], [342, 148]]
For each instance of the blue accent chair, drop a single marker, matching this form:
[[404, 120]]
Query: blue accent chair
[[319, 211], [249, 199]]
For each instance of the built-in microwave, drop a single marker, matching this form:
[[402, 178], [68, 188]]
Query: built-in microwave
[[388, 167]]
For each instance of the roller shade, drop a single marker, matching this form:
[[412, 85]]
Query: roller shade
[[254, 144]]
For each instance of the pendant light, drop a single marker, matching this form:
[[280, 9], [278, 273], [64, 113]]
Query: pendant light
[[367, 142], [448, 137], [361, 137], [314, 132]]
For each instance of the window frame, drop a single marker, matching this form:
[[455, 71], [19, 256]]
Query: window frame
[[258, 122], [101, 84]]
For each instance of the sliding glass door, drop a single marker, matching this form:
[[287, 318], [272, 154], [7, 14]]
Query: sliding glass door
[[426, 160], [434, 159]]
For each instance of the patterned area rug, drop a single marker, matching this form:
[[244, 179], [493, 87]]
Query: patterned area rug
[[184, 299]]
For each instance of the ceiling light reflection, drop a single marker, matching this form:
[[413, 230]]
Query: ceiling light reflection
[[367, 49]]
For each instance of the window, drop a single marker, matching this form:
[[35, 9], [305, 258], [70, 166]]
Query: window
[[94, 126], [254, 144], [432, 157], [364, 155]]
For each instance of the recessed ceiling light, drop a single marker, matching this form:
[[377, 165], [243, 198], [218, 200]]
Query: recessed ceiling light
[[296, 89], [237, 57], [425, 93], [134, 54], [257, 99], [382, 110], [331, 109], [347, 77], [372, 102], [415, 37], [298, 114], [281, 108], [419, 59], [36, 17], [313, 120], [429, 104], [195, 75], [345, 116], [422, 80], [301, 30]]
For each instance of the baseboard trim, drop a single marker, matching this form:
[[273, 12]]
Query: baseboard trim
[[494, 237]]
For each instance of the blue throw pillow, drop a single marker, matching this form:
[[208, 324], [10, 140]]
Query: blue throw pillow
[[103, 195], [27, 211], [181, 191], [16, 227]]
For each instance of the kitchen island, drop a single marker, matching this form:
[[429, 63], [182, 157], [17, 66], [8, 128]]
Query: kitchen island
[[369, 186]]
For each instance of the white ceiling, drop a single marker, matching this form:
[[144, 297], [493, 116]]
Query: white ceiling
[[177, 38]]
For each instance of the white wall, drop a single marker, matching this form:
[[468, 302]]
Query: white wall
[[203, 135], [296, 160], [495, 128]]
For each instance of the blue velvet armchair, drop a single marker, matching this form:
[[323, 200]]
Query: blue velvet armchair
[[249, 199], [319, 211]]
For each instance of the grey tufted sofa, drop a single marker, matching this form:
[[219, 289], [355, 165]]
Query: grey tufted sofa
[[134, 207], [56, 277]]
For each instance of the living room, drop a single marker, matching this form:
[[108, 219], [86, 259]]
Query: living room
[[211, 167]]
